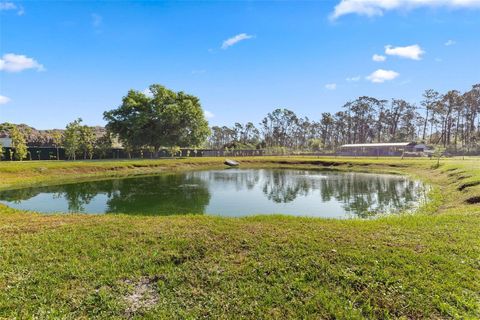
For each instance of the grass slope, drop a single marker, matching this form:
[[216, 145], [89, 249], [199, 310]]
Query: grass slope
[[425, 265]]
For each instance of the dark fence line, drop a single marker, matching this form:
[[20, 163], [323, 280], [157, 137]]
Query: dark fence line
[[50, 153]]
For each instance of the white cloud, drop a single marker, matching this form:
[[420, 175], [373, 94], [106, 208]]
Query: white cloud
[[378, 58], [353, 79], [6, 6], [11, 62], [208, 114], [331, 86], [450, 43], [379, 7], [96, 20], [381, 76], [4, 100], [413, 52], [200, 71], [235, 39]]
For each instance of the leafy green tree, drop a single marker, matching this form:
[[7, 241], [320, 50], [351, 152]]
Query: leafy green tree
[[315, 144], [439, 151], [57, 138], [103, 145], [165, 119], [87, 141], [1, 152], [71, 139], [151, 150], [174, 150], [19, 143]]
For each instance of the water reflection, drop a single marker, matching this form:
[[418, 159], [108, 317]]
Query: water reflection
[[234, 192], [162, 195]]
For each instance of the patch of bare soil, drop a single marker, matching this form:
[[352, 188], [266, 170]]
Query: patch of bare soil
[[143, 296], [473, 200]]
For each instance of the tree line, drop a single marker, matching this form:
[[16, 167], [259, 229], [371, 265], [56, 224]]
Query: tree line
[[77, 140], [164, 118], [143, 122], [451, 120]]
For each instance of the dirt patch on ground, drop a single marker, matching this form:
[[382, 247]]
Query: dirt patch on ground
[[468, 185], [473, 200], [142, 296]]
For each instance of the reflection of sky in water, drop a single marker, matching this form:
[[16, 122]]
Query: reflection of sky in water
[[232, 192], [51, 203], [250, 199]]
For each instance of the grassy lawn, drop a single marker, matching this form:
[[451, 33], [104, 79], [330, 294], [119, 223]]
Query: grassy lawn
[[425, 265]]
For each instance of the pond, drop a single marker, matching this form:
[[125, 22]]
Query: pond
[[231, 192]]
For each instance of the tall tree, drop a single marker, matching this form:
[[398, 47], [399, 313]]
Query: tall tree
[[57, 138], [19, 143], [326, 124], [279, 127], [430, 98], [165, 119], [103, 144], [71, 139], [87, 141], [471, 101]]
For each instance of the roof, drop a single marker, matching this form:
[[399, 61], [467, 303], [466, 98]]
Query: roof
[[374, 145]]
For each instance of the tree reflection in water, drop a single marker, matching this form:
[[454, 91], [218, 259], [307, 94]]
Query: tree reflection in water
[[163, 194], [361, 194]]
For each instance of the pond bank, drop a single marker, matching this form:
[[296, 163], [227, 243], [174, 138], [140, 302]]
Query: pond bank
[[415, 266]]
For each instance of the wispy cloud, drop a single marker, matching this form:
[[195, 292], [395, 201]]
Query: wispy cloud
[[235, 39], [12, 62], [379, 7], [331, 86], [4, 100], [96, 20], [208, 114], [413, 52], [378, 58], [353, 79], [381, 76], [7, 6], [4, 6], [200, 71], [450, 43]]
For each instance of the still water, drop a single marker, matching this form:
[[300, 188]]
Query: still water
[[231, 192]]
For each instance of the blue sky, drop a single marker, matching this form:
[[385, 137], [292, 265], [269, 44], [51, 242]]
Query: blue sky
[[60, 60]]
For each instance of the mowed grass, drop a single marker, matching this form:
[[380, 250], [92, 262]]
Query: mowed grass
[[425, 265]]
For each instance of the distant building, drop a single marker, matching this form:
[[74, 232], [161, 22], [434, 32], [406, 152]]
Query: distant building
[[421, 147], [381, 149]]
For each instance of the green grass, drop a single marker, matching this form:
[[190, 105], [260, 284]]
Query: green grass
[[425, 265]]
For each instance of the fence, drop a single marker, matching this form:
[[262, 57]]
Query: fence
[[48, 153]]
